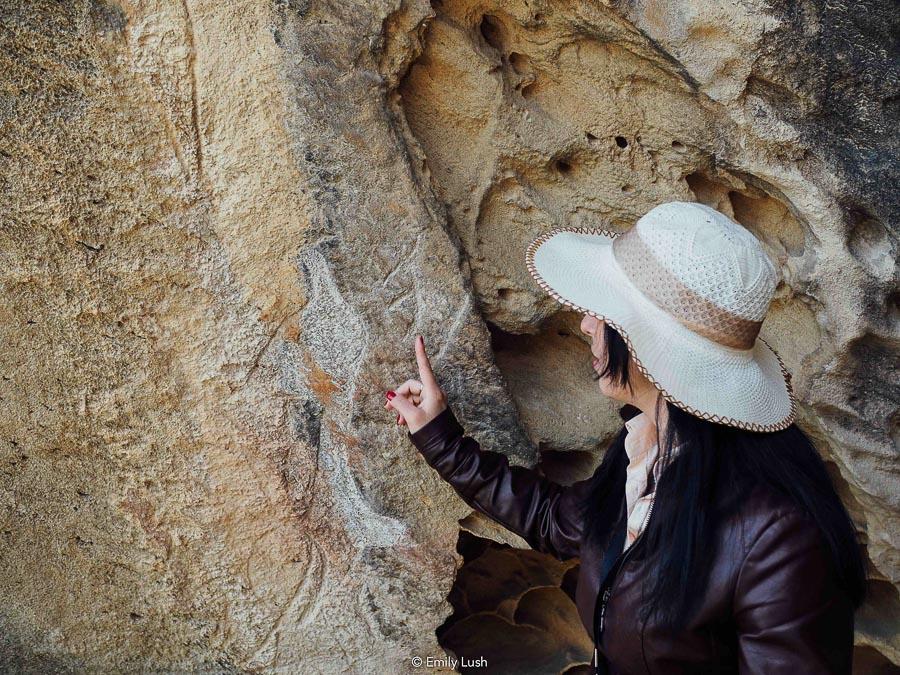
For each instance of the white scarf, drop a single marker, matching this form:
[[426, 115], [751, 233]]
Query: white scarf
[[643, 451]]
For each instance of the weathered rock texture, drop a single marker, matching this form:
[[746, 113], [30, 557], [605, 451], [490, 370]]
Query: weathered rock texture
[[223, 223]]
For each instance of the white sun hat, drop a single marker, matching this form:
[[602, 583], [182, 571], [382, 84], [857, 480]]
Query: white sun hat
[[687, 288]]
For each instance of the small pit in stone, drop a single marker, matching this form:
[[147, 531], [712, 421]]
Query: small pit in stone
[[562, 166], [529, 89], [565, 467], [893, 306], [621, 141], [519, 62]]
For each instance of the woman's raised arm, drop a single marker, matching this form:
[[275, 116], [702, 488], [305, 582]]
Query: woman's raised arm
[[542, 512]]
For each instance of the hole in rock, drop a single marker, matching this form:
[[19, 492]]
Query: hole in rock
[[519, 62], [893, 306], [515, 607], [754, 207], [869, 661], [678, 145], [591, 138], [565, 466], [578, 670], [771, 221], [529, 89], [621, 142], [500, 339], [871, 244], [562, 166], [882, 599], [492, 31], [548, 376], [774, 93]]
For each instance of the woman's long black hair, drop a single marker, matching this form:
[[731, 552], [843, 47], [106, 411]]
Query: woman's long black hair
[[713, 473]]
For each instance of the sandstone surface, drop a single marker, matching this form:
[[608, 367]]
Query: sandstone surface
[[222, 225]]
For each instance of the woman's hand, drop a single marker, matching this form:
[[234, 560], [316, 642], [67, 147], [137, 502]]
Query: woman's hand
[[418, 401]]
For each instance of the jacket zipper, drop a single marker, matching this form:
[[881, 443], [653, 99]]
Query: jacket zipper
[[608, 592]]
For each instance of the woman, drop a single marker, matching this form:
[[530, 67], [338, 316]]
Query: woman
[[710, 536]]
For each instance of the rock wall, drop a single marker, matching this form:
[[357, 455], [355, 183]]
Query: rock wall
[[223, 224]]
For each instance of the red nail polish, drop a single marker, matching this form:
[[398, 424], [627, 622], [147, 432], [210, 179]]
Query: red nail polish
[[390, 394]]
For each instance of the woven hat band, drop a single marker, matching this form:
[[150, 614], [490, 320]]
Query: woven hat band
[[702, 316]]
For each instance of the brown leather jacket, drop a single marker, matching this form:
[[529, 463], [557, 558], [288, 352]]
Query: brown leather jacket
[[772, 605]]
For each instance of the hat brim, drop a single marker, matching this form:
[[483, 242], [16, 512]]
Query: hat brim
[[745, 388]]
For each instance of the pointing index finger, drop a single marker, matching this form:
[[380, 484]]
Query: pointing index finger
[[425, 372]]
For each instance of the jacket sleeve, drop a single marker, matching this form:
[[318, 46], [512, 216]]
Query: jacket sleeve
[[542, 512], [791, 617]]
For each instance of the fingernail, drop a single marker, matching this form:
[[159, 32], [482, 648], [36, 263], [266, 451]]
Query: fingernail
[[390, 394]]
